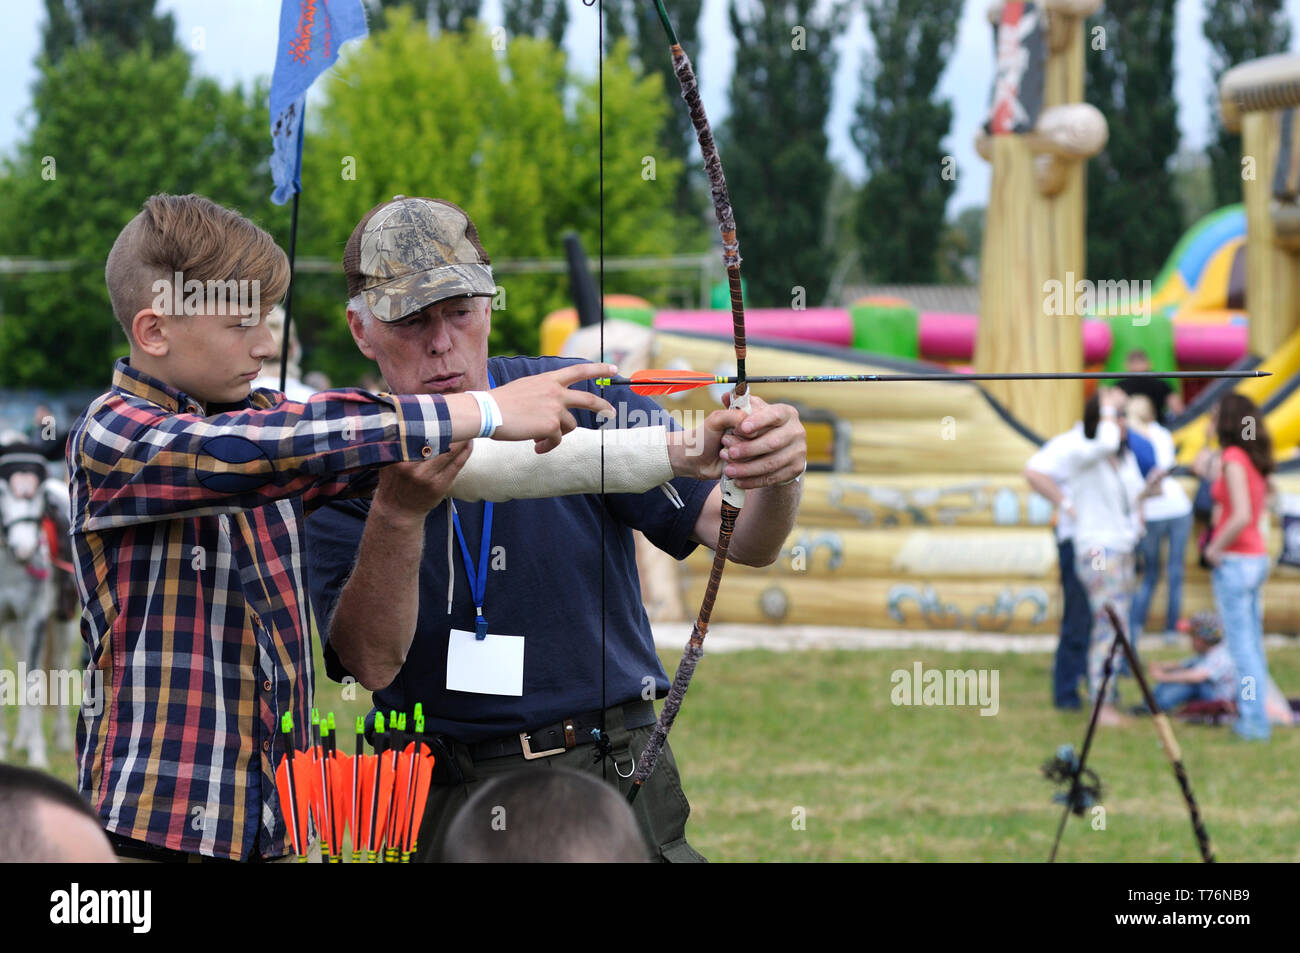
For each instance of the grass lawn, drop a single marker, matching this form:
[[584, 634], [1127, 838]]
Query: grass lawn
[[763, 734]]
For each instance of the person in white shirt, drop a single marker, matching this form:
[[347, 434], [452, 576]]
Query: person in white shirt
[[1166, 510], [1048, 475], [1106, 489]]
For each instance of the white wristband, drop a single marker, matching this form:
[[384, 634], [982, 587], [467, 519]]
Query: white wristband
[[489, 412]]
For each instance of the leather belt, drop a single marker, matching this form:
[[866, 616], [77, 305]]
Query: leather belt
[[561, 736]]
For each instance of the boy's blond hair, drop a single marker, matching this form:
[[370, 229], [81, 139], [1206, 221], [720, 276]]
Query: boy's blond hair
[[196, 238]]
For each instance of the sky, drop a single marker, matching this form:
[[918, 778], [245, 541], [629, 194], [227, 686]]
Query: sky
[[234, 41]]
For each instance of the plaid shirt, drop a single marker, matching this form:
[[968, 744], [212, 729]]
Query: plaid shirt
[[188, 536]]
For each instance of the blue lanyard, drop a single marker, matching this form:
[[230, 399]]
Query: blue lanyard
[[477, 579]]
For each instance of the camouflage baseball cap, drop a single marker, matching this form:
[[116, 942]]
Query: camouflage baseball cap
[[409, 253]]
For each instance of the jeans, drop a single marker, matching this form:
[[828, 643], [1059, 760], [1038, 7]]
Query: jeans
[[1176, 532], [1071, 664], [1169, 695], [1237, 582]]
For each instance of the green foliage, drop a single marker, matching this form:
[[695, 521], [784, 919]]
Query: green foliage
[[448, 117], [537, 18], [960, 247], [899, 129], [450, 15], [454, 15], [1238, 31], [113, 128], [1134, 217], [775, 146], [118, 25], [1194, 185], [636, 20]]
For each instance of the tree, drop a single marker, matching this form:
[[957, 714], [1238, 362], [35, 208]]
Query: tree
[[67, 193], [538, 18], [1238, 31], [454, 15], [1134, 217], [636, 20], [118, 25], [449, 15], [1194, 185], [959, 247], [899, 130], [489, 133], [775, 146]]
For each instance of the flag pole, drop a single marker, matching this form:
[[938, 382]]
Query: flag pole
[[288, 295], [293, 246]]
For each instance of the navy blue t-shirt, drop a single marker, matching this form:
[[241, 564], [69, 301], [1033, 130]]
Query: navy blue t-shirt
[[545, 586]]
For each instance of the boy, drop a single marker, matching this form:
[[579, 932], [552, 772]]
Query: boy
[[1208, 676], [189, 494]]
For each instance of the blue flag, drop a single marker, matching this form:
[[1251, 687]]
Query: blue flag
[[311, 32]]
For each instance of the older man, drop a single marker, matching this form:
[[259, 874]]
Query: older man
[[546, 659]]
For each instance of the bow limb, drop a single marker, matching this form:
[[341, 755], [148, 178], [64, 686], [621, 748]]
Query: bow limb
[[733, 498]]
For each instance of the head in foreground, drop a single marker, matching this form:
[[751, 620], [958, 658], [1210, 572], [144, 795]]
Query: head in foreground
[[42, 820], [557, 816]]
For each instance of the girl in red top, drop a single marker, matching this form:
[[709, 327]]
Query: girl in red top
[[1238, 552]]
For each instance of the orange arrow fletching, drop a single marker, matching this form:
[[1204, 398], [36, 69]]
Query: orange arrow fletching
[[669, 382], [340, 776], [295, 798], [419, 797]]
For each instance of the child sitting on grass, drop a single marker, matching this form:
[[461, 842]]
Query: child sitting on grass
[[1209, 676]]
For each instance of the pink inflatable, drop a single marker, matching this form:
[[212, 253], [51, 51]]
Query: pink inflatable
[[1097, 342], [820, 325], [1210, 345], [948, 336]]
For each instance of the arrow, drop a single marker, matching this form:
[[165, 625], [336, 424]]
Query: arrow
[[664, 381], [295, 792]]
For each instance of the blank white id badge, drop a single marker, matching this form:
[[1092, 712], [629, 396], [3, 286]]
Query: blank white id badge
[[492, 666]]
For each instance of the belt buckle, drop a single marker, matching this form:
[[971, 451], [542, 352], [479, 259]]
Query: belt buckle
[[531, 755]]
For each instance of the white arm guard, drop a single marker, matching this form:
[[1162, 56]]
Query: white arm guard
[[636, 460]]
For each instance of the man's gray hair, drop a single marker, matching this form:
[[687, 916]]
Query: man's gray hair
[[358, 304]]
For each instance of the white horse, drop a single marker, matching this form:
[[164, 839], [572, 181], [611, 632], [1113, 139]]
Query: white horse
[[27, 603]]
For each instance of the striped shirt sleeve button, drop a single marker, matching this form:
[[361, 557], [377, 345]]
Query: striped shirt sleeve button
[[426, 451], [266, 745], [266, 685]]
